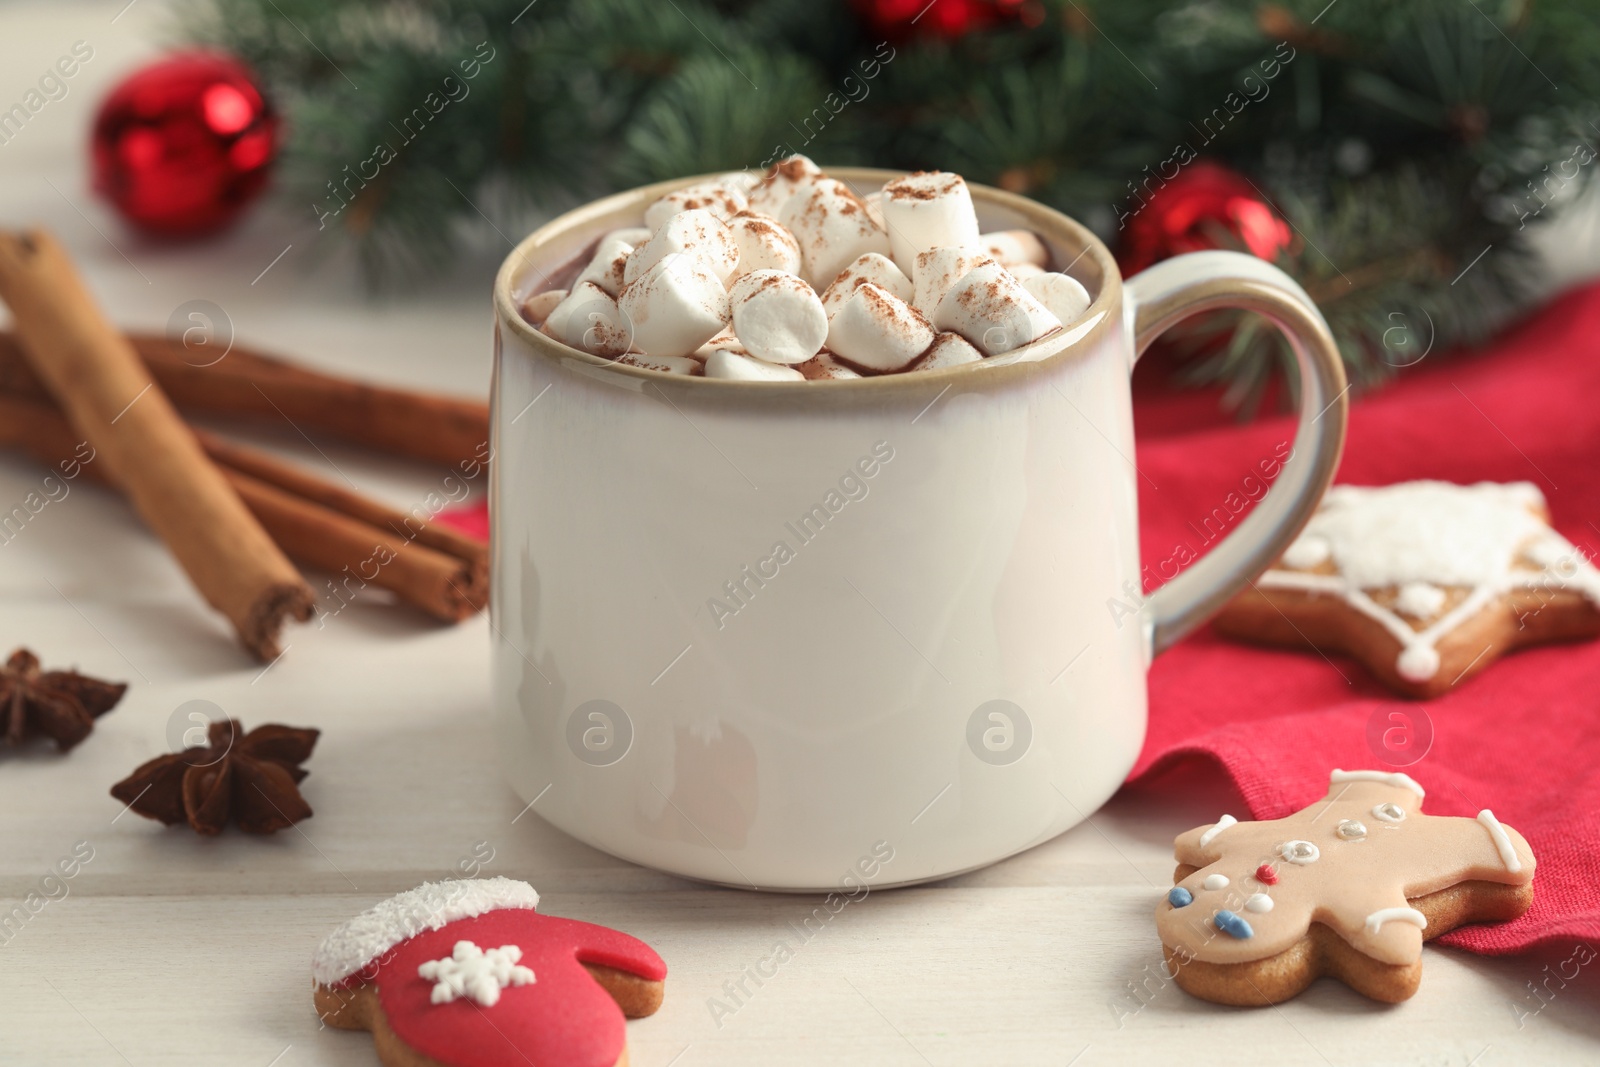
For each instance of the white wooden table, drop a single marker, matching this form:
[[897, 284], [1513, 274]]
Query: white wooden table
[[172, 949]]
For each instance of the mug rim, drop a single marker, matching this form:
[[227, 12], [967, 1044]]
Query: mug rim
[[1068, 343]]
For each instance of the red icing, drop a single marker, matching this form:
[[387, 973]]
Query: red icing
[[1267, 874], [562, 1019]]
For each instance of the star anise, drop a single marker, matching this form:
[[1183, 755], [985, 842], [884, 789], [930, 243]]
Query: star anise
[[251, 778], [61, 705]]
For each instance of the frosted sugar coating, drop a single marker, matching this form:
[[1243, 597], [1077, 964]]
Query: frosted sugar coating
[[1427, 531], [1487, 539], [429, 906]]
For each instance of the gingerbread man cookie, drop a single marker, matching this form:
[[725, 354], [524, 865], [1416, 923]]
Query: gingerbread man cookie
[[1426, 583], [1350, 887], [467, 974]]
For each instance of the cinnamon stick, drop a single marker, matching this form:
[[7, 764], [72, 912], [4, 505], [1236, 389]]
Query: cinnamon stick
[[353, 551], [112, 402], [446, 586], [400, 422], [408, 526]]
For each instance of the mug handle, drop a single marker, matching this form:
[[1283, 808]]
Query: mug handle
[[1186, 285]]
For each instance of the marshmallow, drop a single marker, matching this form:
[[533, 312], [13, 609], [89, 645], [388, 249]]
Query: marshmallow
[[874, 202], [1011, 247], [782, 180], [675, 307], [1023, 271], [606, 268], [697, 232], [721, 200], [872, 267], [991, 309], [724, 340], [777, 316], [537, 307], [589, 319], [947, 350], [664, 364], [742, 180], [833, 228], [938, 270], [634, 235], [823, 366], [731, 365], [928, 209], [877, 330], [763, 244], [1063, 294]]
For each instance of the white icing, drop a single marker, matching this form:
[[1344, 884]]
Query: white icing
[[1396, 779], [471, 972], [1547, 552], [1259, 903], [1299, 852], [1222, 824], [1389, 813], [1420, 600], [429, 906], [1307, 552], [1567, 569], [1502, 841], [1376, 920], [1216, 881], [1425, 535], [1418, 663], [1427, 531]]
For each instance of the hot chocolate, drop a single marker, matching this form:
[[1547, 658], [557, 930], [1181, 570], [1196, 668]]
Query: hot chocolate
[[794, 276]]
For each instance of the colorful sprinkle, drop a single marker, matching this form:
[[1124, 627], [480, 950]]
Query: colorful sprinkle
[[1232, 925], [1351, 830], [1179, 897], [1216, 881], [1267, 874]]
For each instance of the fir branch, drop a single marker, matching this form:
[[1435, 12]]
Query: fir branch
[[1401, 140], [710, 116]]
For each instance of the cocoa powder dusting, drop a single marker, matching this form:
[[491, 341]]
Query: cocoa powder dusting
[[903, 319], [791, 169], [812, 370], [904, 189]]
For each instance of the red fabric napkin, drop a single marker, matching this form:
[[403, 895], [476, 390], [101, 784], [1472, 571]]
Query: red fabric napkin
[[471, 519], [1522, 738]]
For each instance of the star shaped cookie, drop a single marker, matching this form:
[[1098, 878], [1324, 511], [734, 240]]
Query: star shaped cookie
[[1349, 887], [1426, 583]]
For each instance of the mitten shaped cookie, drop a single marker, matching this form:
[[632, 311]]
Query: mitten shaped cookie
[[468, 974], [1426, 583], [1349, 887]]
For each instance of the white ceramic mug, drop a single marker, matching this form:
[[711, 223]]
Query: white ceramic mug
[[788, 635]]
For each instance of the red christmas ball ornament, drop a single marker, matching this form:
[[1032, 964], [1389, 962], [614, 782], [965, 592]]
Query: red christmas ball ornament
[[945, 18], [1206, 206], [182, 146]]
